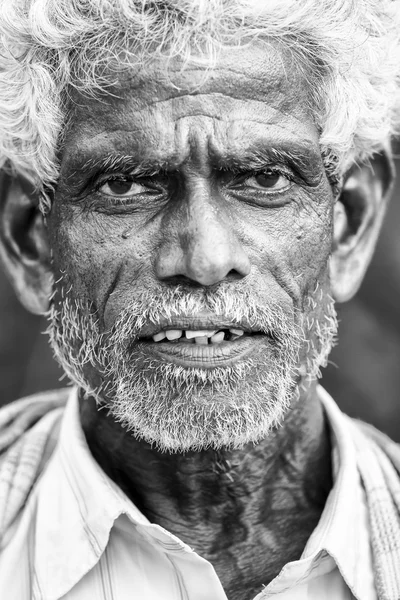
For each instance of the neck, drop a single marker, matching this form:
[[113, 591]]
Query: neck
[[272, 493]]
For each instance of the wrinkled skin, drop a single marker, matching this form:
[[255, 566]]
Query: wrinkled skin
[[248, 511]]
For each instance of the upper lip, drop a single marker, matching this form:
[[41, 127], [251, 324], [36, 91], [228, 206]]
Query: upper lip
[[194, 323]]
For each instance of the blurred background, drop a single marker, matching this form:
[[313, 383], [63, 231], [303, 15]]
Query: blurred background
[[364, 374]]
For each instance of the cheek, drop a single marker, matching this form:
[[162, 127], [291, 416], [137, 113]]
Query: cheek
[[310, 250], [99, 259], [292, 245]]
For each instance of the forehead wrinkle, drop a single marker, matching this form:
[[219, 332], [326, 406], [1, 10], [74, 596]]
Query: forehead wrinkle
[[191, 80], [188, 116], [128, 115], [214, 105], [193, 140], [219, 106]]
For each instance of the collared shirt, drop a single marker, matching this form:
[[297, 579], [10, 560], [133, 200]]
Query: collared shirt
[[80, 537]]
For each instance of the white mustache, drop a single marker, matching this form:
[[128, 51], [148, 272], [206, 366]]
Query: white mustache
[[149, 312]]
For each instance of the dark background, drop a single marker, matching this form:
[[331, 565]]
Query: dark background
[[364, 374]]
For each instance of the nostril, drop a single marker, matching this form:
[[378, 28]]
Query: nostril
[[233, 275], [192, 283]]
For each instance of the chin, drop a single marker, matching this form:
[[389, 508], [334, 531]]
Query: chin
[[158, 397], [181, 410]]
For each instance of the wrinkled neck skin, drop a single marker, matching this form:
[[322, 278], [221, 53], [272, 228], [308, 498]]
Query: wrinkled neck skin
[[248, 511]]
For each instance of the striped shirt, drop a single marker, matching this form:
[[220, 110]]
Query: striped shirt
[[79, 537]]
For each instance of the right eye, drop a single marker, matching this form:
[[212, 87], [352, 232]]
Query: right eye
[[123, 187]]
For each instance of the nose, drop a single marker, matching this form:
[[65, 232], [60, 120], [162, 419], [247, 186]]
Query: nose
[[199, 242]]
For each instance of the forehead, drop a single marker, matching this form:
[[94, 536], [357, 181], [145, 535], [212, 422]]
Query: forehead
[[254, 96]]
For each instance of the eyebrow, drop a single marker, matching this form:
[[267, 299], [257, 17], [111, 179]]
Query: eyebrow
[[302, 159], [125, 162]]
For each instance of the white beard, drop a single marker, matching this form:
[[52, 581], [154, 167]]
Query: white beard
[[179, 409]]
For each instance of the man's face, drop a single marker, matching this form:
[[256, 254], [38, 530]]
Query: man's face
[[194, 205]]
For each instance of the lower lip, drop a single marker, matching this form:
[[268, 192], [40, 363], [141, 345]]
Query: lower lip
[[202, 356]]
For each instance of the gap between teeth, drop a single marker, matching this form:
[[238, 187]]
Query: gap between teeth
[[199, 336]]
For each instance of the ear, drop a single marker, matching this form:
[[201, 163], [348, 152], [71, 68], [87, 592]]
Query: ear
[[24, 251], [358, 215]]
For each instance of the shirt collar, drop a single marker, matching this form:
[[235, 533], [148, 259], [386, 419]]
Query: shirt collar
[[77, 505], [341, 537], [343, 530]]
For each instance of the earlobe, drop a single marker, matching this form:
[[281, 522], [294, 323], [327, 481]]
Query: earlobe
[[24, 250], [357, 219]]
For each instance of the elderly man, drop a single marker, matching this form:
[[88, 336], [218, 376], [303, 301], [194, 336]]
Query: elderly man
[[187, 188]]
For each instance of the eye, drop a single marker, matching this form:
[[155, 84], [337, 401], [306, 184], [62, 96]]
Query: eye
[[269, 180], [122, 188]]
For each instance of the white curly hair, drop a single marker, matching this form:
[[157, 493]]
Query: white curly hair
[[349, 50]]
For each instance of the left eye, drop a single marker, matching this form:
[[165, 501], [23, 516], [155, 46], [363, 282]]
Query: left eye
[[122, 188], [268, 181]]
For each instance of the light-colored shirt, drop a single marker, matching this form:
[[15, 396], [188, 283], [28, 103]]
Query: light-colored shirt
[[79, 537]]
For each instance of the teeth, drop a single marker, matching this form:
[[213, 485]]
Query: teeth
[[200, 333], [159, 336], [236, 331], [199, 336], [173, 334], [218, 338]]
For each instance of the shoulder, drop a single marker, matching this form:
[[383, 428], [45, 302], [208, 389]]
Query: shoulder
[[28, 434], [379, 468], [375, 439], [377, 461], [21, 416], [365, 437]]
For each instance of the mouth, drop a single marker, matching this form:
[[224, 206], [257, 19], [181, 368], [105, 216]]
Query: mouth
[[204, 348], [200, 337]]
